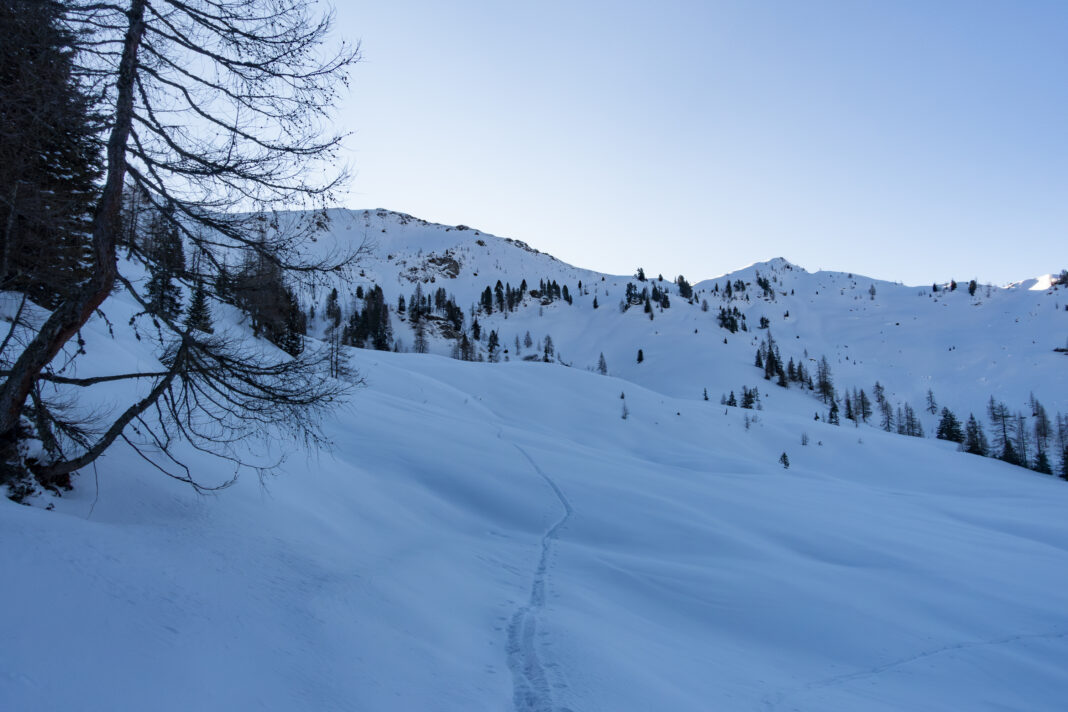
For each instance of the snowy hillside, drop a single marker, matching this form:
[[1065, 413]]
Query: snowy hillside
[[528, 536], [963, 347]]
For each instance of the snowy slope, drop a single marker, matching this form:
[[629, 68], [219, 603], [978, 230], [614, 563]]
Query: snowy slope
[[432, 563], [496, 536], [999, 342]]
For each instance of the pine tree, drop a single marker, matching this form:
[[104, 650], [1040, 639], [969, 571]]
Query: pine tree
[[949, 427], [974, 438], [50, 159], [166, 263], [932, 407], [864, 406], [1042, 463], [784, 460], [199, 315], [421, 344], [333, 309], [1000, 421], [641, 356], [602, 366], [824, 384]]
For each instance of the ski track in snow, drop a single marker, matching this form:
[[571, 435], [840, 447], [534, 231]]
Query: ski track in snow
[[532, 691], [772, 702]]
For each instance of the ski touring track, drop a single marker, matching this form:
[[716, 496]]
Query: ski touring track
[[532, 691], [773, 702]]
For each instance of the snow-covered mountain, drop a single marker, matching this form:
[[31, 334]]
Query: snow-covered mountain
[[964, 347], [531, 536]]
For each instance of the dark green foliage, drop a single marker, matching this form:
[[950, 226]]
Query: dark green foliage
[[641, 356], [750, 397], [685, 289], [260, 290], [1042, 463], [50, 159], [731, 319], [949, 427], [974, 437], [199, 315], [166, 263], [371, 326], [972, 286]]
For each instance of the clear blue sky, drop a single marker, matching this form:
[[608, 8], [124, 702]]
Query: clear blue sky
[[911, 140]]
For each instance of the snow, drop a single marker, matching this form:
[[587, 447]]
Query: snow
[[495, 536]]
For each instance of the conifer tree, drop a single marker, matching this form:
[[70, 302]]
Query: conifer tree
[[864, 406], [824, 384], [50, 158], [166, 263], [549, 350], [641, 356], [602, 366], [333, 309], [421, 344], [949, 427], [974, 438], [932, 407], [199, 315]]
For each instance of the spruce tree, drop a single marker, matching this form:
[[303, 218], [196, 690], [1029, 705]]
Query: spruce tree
[[199, 315], [50, 157], [949, 427], [166, 264], [974, 438]]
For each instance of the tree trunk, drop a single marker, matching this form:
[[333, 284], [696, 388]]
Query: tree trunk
[[74, 311]]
